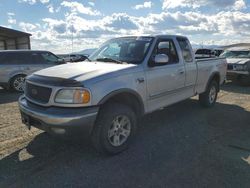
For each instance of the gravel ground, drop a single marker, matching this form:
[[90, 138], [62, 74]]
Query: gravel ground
[[183, 145]]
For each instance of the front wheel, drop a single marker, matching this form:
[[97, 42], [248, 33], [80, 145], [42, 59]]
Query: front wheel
[[114, 129], [209, 97]]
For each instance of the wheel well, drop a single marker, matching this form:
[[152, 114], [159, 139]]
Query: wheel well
[[21, 74], [215, 77], [129, 99], [11, 79]]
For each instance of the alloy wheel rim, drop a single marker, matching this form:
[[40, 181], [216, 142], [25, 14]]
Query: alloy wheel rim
[[119, 130], [212, 94], [19, 83]]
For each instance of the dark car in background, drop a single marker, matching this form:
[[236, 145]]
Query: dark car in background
[[15, 65], [207, 53], [73, 57]]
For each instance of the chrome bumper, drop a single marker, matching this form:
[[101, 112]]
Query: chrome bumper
[[57, 119]]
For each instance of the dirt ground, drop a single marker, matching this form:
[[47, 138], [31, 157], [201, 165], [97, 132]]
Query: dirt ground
[[183, 145]]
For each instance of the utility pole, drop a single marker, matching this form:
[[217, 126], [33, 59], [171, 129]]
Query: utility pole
[[72, 39], [72, 32]]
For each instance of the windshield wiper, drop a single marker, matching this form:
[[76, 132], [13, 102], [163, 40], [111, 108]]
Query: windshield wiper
[[107, 59]]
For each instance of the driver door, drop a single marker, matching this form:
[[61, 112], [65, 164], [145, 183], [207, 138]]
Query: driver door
[[164, 81]]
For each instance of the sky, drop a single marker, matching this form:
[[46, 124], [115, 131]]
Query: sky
[[54, 23]]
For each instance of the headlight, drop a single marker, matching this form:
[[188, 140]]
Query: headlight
[[73, 96], [240, 67]]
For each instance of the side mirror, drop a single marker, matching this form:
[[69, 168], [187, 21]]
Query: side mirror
[[161, 59]]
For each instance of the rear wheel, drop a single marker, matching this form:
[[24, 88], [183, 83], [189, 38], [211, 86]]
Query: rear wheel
[[114, 129], [17, 83], [209, 97]]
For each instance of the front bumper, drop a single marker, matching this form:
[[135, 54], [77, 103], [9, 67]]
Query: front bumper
[[234, 75], [232, 72], [58, 120]]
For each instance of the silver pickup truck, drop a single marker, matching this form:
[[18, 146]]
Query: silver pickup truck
[[124, 79]]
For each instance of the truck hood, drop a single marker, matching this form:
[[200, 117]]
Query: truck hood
[[84, 70], [237, 61]]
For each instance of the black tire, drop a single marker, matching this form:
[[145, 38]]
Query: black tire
[[205, 98], [13, 83], [106, 117]]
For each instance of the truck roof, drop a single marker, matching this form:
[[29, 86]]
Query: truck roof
[[155, 36]]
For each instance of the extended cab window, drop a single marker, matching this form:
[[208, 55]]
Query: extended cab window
[[37, 59], [186, 52], [167, 47]]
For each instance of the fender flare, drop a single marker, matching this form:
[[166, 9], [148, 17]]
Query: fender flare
[[121, 91], [211, 78]]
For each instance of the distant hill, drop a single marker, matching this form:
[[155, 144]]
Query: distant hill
[[222, 47], [195, 46], [86, 51], [237, 45]]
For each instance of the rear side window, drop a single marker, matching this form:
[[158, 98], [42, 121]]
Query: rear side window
[[15, 58], [37, 59], [186, 52]]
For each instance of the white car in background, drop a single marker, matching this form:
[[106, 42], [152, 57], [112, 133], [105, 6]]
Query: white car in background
[[238, 68]]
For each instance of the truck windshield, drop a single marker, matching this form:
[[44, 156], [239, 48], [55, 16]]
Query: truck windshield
[[126, 49], [236, 54]]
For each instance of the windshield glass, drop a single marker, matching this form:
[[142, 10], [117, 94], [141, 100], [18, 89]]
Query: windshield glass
[[127, 49], [236, 54]]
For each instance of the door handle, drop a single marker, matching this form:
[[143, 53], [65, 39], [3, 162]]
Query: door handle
[[181, 72], [140, 80]]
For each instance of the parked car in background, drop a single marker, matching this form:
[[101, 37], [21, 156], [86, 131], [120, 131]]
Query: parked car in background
[[238, 68], [73, 57], [204, 53], [207, 53], [218, 52], [15, 65], [126, 78]]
